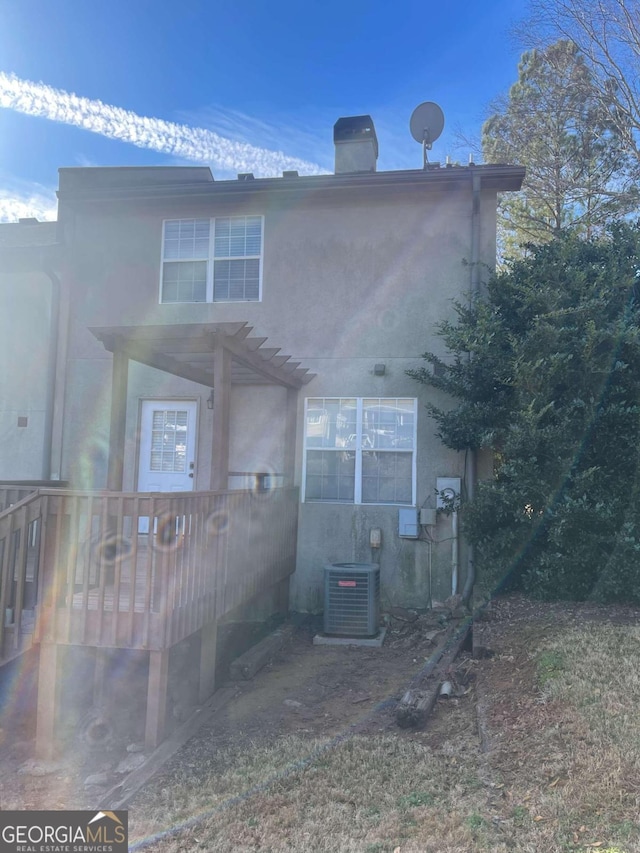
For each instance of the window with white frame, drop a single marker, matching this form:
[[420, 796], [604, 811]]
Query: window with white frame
[[212, 260], [360, 450]]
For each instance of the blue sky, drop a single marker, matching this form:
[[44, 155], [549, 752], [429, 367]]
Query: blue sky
[[228, 84]]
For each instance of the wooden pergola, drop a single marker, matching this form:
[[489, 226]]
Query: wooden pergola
[[215, 355]]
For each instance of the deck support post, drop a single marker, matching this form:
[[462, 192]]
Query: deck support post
[[221, 418], [117, 428], [291, 430], [156, 697], [100, 675], [208, 644], [48, 690]]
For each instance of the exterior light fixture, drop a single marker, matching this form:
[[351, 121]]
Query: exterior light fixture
[[380, 369], [210, 400]]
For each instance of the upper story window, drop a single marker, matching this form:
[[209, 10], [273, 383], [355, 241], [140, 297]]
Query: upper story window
[[360, 450], [212, 260]]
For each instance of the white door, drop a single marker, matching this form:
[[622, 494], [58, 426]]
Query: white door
[[167, 446]]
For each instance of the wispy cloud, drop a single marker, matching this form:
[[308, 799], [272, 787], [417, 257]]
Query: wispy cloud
[[178, 140], [310, 135], [18, 204]]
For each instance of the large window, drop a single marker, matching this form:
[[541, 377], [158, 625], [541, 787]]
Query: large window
[[360, 450], [212, 260]]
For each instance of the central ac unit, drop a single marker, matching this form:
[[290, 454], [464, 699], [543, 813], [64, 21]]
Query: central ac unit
[[352, 599]]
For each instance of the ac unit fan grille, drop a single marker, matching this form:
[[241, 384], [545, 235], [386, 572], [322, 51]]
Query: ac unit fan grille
[[352, 600]]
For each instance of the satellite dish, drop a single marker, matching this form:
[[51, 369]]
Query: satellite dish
[[426, 125]]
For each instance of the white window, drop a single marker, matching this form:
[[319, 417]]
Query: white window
[[212, 260], [360, 450]]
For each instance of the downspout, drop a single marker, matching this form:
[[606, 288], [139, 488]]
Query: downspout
[[58, 365], [470, 460], [454, 552], [54, 320]]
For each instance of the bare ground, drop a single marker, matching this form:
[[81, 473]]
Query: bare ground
[[308, 757]]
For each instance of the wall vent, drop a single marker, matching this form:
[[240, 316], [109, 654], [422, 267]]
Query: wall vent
[[352, 599]]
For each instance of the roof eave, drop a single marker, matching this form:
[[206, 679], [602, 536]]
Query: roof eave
[[498, 178]]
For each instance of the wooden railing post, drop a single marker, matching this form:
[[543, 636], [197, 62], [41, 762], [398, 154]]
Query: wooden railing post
[[48, 689], [208, 645], [156, 697]]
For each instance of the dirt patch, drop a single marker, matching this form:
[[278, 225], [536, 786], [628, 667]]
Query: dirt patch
[[306, 689], [308, 756], [322, 691]]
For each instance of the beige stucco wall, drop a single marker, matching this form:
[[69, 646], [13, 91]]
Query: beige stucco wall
[[24, 358], [350, 279]]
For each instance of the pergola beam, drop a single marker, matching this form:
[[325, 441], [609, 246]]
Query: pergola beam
[[160, 361], [182, 350]]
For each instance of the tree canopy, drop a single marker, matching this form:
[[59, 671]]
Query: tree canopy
[[544, 371], [607, 34], [578, 171]]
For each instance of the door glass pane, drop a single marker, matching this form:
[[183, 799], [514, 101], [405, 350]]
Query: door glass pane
[[169, 441]]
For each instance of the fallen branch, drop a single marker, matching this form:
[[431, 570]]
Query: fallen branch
[[417, 703]]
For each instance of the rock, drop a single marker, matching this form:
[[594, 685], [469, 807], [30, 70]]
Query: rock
[[97, 779], [136, 747], [403, 614], [453, 602], [38, 768], [291, 703], [131, 762]]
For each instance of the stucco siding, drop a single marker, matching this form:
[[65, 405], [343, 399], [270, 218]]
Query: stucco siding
[[24, 356], [355, 273]]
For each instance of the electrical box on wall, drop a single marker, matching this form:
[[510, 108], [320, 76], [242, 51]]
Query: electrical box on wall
[[451, 487], [408, 523]]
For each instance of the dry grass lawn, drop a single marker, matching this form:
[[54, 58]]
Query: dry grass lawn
[[557, 767]]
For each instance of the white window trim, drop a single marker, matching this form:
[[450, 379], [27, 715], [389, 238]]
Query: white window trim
[[211, 259], [357, 495]]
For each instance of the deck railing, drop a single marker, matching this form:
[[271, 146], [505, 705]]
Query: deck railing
[[20, 538], [137, 570]]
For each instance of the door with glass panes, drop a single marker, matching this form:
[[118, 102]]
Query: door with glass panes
[[167, 446]]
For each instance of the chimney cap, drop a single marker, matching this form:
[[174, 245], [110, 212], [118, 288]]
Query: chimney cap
[[355, 129]]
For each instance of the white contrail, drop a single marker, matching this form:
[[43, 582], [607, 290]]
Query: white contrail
[[178, 140]]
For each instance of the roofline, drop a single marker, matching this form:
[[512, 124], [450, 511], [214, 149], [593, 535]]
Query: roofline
[[500, 178]]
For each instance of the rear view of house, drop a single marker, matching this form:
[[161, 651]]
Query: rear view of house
[[204, 396]]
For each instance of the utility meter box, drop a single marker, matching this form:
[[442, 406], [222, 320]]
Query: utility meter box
[[450, 486], [408, 527]]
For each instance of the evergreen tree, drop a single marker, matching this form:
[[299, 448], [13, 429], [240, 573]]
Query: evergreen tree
[[545, 373]]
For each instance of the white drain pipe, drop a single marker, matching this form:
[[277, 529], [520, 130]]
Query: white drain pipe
[[454, 553]]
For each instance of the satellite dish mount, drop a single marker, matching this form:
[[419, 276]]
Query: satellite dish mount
[[426, 125]]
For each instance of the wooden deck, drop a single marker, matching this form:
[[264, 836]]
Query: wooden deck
[[75, 570]]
